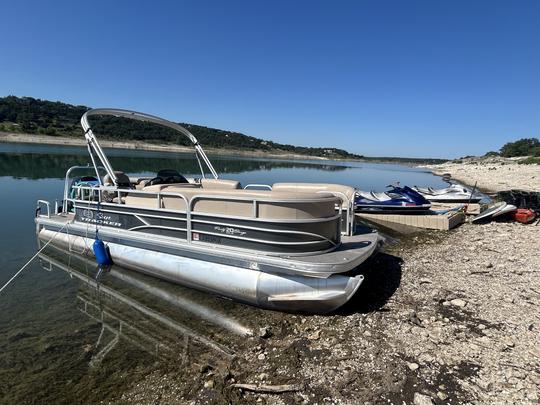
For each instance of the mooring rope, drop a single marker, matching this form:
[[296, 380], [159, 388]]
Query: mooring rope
[[33, 257]]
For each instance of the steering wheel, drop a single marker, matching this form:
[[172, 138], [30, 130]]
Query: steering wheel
[[155, 180], [176, 179]]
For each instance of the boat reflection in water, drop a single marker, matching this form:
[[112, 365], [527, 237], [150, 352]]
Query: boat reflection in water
[[157, 317]]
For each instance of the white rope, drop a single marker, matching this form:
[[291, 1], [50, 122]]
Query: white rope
[[33, 257]]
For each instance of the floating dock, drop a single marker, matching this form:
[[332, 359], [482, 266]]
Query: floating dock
[[472, 209], [404, 223]]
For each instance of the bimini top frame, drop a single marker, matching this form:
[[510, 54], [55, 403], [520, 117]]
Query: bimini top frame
[[94, 147]]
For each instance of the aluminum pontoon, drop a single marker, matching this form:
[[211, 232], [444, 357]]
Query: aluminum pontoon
[[284, 247], [126, 317]]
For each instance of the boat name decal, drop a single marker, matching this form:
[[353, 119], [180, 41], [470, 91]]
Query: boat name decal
[[100, 219], [229, 230]]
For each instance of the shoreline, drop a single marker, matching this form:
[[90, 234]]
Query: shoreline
[[442, 317], [35, 139], [492, 174], [6, 137]]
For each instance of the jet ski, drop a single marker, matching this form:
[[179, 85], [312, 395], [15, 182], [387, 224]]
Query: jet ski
[[455, 193], [397, 200]]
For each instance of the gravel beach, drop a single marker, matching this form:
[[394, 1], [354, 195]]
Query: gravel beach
[[492, 174], [443, 317]]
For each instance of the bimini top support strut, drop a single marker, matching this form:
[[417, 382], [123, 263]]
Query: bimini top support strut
[[94, 146]]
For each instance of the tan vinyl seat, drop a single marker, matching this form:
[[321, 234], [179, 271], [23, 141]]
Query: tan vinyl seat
[[276, 204], [220, 184], [338, 189]]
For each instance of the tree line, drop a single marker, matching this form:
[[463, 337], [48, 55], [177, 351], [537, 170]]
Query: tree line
[[53, 118]]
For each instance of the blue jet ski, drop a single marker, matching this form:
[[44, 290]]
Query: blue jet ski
[[397, 200]]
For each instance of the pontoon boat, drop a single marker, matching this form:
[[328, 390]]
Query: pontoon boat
[[290, 246]]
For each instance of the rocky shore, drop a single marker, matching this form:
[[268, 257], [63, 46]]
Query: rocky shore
[[441, 318], [493, 174]]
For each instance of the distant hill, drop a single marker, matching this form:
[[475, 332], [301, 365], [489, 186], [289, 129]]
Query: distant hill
[[34, 116]]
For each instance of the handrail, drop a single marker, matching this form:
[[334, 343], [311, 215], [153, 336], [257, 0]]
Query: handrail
[[47, 204], [66, 182], [93, 144], [267, 186], [350, 209], [223, 197]]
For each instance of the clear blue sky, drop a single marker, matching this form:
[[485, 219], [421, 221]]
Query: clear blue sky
[[406, 78]]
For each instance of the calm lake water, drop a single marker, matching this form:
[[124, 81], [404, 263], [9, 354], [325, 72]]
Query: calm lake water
[[68, 335]]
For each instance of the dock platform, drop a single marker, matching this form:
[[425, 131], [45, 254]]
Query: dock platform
[[399, 222], [472, 209]]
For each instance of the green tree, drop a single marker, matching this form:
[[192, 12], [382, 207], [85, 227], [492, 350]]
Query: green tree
[[521, 147]]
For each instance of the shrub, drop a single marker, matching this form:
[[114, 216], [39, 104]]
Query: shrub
[[530, 161], [522, 147]]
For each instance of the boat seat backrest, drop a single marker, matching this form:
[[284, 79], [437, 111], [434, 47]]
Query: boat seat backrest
[[220, 184], [276, 204], [336, 189], [122, 179]]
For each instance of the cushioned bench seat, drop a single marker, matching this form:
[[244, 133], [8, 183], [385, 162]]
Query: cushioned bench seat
[[276, 205], [338, 189]]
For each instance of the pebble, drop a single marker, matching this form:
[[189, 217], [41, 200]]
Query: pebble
[[209, 384], [508, 342], [535, 378], [442, 396], [261, 356], [421, 399], [265, 332], [315, 335], [484, 340], [458, 302], [413, 366]]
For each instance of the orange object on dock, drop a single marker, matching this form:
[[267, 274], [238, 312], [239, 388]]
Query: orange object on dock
[[524, 215]]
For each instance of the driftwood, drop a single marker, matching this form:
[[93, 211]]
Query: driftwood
[[269, 388]]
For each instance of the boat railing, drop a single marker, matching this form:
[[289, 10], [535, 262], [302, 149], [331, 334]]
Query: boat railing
[[41, 203], [258, 186], [348, 224], [95, 194], [70, 172]]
